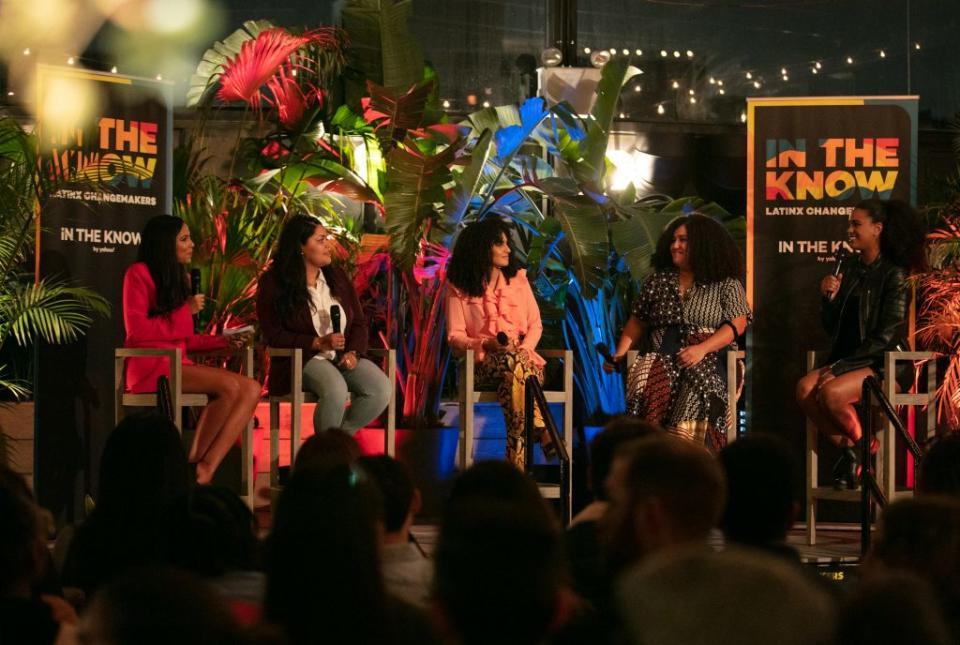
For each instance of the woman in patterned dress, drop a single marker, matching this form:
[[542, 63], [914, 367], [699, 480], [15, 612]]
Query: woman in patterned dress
[[688, 313], [490, 297]]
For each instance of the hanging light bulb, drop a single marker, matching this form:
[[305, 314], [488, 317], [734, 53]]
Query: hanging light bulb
[[637, 88], [26, 51], [749, 76], [626, 52], [676, 54], [486, 104], [70, 61], [623, 116], [818, 65], [756, 84], [849, 60], [689, 54], [446, 104], [712, 81], [743, 117], [113, 70], [675, 85], [719, 82], [693, 100], [916, 45], [663, 52], [883, 54], [613, 51], [661, 110], [159, 77], [691, 92], [786, 78], [722, 91], [783, 71], [586, 50], [638, 52], [814, 70]]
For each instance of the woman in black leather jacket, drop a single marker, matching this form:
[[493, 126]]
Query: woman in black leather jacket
[[864, 309]]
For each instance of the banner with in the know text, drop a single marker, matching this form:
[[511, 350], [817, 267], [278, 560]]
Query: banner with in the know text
[[109, 138], [809, 161]]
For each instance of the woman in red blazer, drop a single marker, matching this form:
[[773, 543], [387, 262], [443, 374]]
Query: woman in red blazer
[[296, 301], [158, 312]]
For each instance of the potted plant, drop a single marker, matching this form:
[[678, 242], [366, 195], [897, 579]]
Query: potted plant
[[48, 310]]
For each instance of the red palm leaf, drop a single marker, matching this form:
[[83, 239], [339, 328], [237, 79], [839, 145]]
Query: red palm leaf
[[258, 60]]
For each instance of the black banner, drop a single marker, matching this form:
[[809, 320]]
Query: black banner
[[810, 161], [114, 150]]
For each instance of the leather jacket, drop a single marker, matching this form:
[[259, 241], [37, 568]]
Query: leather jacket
[[884, 297]]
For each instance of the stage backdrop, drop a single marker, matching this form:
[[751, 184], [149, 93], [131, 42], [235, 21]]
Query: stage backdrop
[[809, 160], [119, 151]]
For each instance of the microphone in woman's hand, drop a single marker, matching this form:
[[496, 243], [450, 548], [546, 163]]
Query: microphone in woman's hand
[[195, 290], [603, 351], [335, 318], [502, 339]]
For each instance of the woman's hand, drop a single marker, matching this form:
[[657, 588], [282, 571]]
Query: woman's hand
[[492, 345], [830, 285], [197, 303], [690, 356], [349, 361], [237, 341], [609, 367], [330, 342]]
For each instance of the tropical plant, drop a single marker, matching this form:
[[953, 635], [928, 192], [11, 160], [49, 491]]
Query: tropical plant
[[50, 309]]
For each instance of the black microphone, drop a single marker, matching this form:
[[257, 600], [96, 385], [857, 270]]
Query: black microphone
[[841, 257], [335, 318], [502, 338], [603, 351], [195, 290]]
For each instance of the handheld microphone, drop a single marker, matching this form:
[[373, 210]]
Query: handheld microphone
[[335, 318], [502, 338], [841, 257], [195, 290], [603, 351]]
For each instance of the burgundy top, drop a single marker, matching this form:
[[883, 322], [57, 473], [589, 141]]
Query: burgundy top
[[299, 331], [166, 331]]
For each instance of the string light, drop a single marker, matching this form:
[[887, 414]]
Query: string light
[[661, 110], [10, 93], [446, 104], [916, 45], [486, 104], [719, 82], [883, 54], [637, 88], [689, 54], [783, 71], [749, 76], [722, 91], [623, 116], [849, 60], [626, 52], [691, 92], [159, 77], [293, 72], [743, 117], [756, 84], [26, 51], [663, 53], [786, 78], [613, 51], [586, 50], [693, 100], [814, 70], [675, 85], [70, 61], [676, 54], [639, 52], [713, 81], [113, 70], [818, 65]]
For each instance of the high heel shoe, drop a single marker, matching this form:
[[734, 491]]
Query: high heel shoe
[[546, 443], [846, 472]]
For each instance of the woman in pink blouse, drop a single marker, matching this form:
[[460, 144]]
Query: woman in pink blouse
[[491, 309], [158, 312]]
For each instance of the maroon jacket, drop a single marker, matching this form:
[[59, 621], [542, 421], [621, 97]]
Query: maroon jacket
[[300, 331]]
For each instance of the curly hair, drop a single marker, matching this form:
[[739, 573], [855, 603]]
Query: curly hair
[[470, 262], [713, 254], [903, 236], [288, 269], [158, 250]]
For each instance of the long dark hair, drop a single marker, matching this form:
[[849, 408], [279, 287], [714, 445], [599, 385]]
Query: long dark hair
[[158, 250], [470, 263], [713, 254], [288, 268], [903, 237]]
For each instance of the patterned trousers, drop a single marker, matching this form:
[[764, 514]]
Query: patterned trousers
[[508, 371]]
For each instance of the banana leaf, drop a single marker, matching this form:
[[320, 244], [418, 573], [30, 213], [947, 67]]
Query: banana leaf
[[382, 49]]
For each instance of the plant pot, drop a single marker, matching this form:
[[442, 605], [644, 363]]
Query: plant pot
[[17, 438]]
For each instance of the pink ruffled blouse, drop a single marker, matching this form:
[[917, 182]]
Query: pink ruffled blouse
[[510, 308]]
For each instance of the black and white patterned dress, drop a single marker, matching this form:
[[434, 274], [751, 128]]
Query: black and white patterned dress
[[691, 402]]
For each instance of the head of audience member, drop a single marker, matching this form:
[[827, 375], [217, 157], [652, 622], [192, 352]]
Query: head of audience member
[[142, 470], [498, 561], [763, 478], [401, 499], [922, 535], [664, 492], [617, 432], [322, 559], [213, 533], [890, 608], [330, 446], [738, 597], [157, 606], [22, 544], [940, 469]]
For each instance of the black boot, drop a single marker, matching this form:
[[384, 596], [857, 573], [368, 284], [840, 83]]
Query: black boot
[[846, 470]]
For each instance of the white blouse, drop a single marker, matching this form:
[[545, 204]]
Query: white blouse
[[321, 300]]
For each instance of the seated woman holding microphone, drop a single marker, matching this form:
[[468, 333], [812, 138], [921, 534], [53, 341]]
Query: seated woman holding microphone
[[158, 313], [491, 309], [691, 309], [864, 309], [304, 301]]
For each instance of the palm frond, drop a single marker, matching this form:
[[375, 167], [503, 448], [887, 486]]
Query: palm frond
[[49, 309]]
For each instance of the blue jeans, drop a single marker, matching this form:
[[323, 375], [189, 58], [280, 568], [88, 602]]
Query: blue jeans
[[368, 386]]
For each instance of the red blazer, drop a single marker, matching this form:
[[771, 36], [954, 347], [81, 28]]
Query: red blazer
[[172, 330], [300, 332]]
